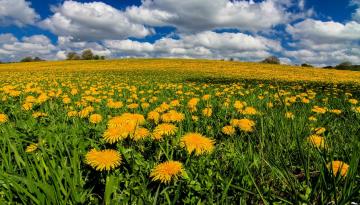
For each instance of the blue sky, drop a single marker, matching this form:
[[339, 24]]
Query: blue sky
[[319, 32]]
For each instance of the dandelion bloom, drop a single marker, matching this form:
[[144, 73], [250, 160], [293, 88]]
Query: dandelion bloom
[[317, 141], [103, 160], [31, 148], [289, 115], [228, 130], [245, 125], [164, 129], [356, 109], [336, 111], [66, 100], [27, 106], [353, 101], [166, 171], [154, 116], [338, 167], [38, 114], [192, 104], [207, 112], [140, 133], [198, 143], [239, 105], [318, 110], [3, 118], [133, 106], [206, 97], [172, 116], [249, 111], [312, 118], [194, 118], [115, 134], [270, 105], [320, 130], [95, 118], [126, 118], [72, 113]]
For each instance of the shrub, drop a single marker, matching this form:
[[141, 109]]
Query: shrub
[[271, 60], [72, 56], [87, 55], [306, 65]]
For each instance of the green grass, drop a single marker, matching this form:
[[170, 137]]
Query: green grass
[[272, 165]]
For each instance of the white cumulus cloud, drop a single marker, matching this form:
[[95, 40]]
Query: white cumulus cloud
[[92, 21], [18, 12]]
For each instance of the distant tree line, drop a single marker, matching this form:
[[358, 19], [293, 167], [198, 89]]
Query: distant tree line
[[342, 66], [31, 59], [85, 55]]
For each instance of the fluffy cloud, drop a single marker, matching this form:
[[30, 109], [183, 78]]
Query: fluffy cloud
[[201, 15], [326, 57], [92, 21], [206, 44], [325, 31], [17, 12], [324, 42], [13, 49]]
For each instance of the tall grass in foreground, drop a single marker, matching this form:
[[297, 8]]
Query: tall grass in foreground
[[265, 159]]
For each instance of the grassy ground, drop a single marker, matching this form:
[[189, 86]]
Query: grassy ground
[[303, 120]]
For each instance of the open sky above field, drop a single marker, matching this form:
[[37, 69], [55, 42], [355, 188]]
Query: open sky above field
[[318, 32]]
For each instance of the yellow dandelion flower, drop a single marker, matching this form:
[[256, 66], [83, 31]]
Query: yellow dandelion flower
[[38, 114], [228, 130], [289, 115], [167, 171], [194, 118], [164, 129], [95, 118], [66, 100], [206, 97], [133, 106], [31, 148], [336, 111], [103, 160], [72, 113], [115, 134], [245, 125], [319, 130], [305, 100], [140, 133], [239, 105], [175, 103], [312, 118], [338, 167], [192, 104], [317, 141], [353, 101], [249, 111], [154, 116], [145, 105], [319, 110], [195, 142], [270, 105], [27, 106], [356, 109], [172, 116], [207, 112], [3, 118]]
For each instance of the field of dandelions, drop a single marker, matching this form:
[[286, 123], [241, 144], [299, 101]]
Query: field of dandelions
[[178, 132]]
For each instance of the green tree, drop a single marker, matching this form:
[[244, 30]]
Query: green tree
[[306, 65], [72, 56], [87, 55], [271, 60], [27, 59]]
